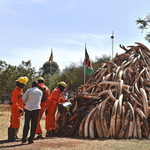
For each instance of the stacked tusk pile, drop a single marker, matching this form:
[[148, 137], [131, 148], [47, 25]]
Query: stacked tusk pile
[[115, 101]]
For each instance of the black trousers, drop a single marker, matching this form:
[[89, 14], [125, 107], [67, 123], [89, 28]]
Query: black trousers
[[33, 117]]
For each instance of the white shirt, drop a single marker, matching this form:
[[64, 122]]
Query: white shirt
[[32, 98]]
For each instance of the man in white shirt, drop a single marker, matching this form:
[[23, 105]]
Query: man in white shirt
[[32, 100]]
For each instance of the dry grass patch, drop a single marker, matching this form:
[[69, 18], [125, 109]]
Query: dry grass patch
[[5, 116], [63, 143]]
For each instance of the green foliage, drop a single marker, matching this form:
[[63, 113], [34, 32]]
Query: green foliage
[[9, 74], [74, 73], [99, 60], [47, 66], [55, 81], [6, 76], [144, 24]]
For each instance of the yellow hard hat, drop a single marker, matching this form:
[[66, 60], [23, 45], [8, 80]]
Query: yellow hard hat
[[41, 78], [63, 84], [102, 64], [22, 80]]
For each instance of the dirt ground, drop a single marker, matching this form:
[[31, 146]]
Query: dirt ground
[[58, 143], [77, 144]]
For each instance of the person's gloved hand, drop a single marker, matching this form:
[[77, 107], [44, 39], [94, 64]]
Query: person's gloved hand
[[21, 112], [59, 104], [46, 112]]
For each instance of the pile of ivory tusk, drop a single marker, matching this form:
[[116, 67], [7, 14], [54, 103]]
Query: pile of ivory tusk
[[114, 103]]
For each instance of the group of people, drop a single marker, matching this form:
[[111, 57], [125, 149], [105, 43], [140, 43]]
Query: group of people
[[34, 102]]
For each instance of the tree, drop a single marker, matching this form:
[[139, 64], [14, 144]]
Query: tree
[[9, 74], [46, 68], [74, 74], [99, 60], [6, 77], [144, 24]]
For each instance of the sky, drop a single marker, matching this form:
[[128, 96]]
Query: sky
[[30, 29]]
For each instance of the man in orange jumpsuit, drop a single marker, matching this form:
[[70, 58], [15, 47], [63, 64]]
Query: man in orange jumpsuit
[[16, 109], [44, 105], [55, 100]]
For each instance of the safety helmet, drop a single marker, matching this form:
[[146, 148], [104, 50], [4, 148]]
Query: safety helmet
[[22, 80], [41, 78], [63, 84], [102, 64]]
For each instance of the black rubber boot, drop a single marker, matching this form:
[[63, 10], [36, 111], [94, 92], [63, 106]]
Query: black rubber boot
[[9, 134], [53, 133], [48, 133], [39, 136], [12, 134]]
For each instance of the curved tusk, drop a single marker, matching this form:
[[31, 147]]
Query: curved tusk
[[97, 122], [86, 125], [119, 112], [130, 95], [124, 126], [131, 125], [138, 126], [143, 46], [91, 127], [104, 129], [113, 119], [145, 102], [114, 83], [74, 116], [142, 115], [75, 108], [81, 126], [135, 129]]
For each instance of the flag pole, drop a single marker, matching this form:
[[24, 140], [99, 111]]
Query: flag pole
[[112, 37], [50, 72], [84, 66], [50, 77]]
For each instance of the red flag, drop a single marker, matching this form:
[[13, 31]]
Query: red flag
[[88, 64]]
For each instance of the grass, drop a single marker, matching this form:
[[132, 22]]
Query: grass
[[5, 116]]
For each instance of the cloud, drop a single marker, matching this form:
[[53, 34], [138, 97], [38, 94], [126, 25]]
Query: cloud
[[71, 48], [67, 49]]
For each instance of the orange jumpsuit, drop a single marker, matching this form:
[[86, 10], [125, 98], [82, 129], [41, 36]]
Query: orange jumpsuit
[[17, 104], [44, 105], [55, 98]]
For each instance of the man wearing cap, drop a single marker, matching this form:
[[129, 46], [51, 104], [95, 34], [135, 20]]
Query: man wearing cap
[[55, 100], [16, 109], [44, 105]]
